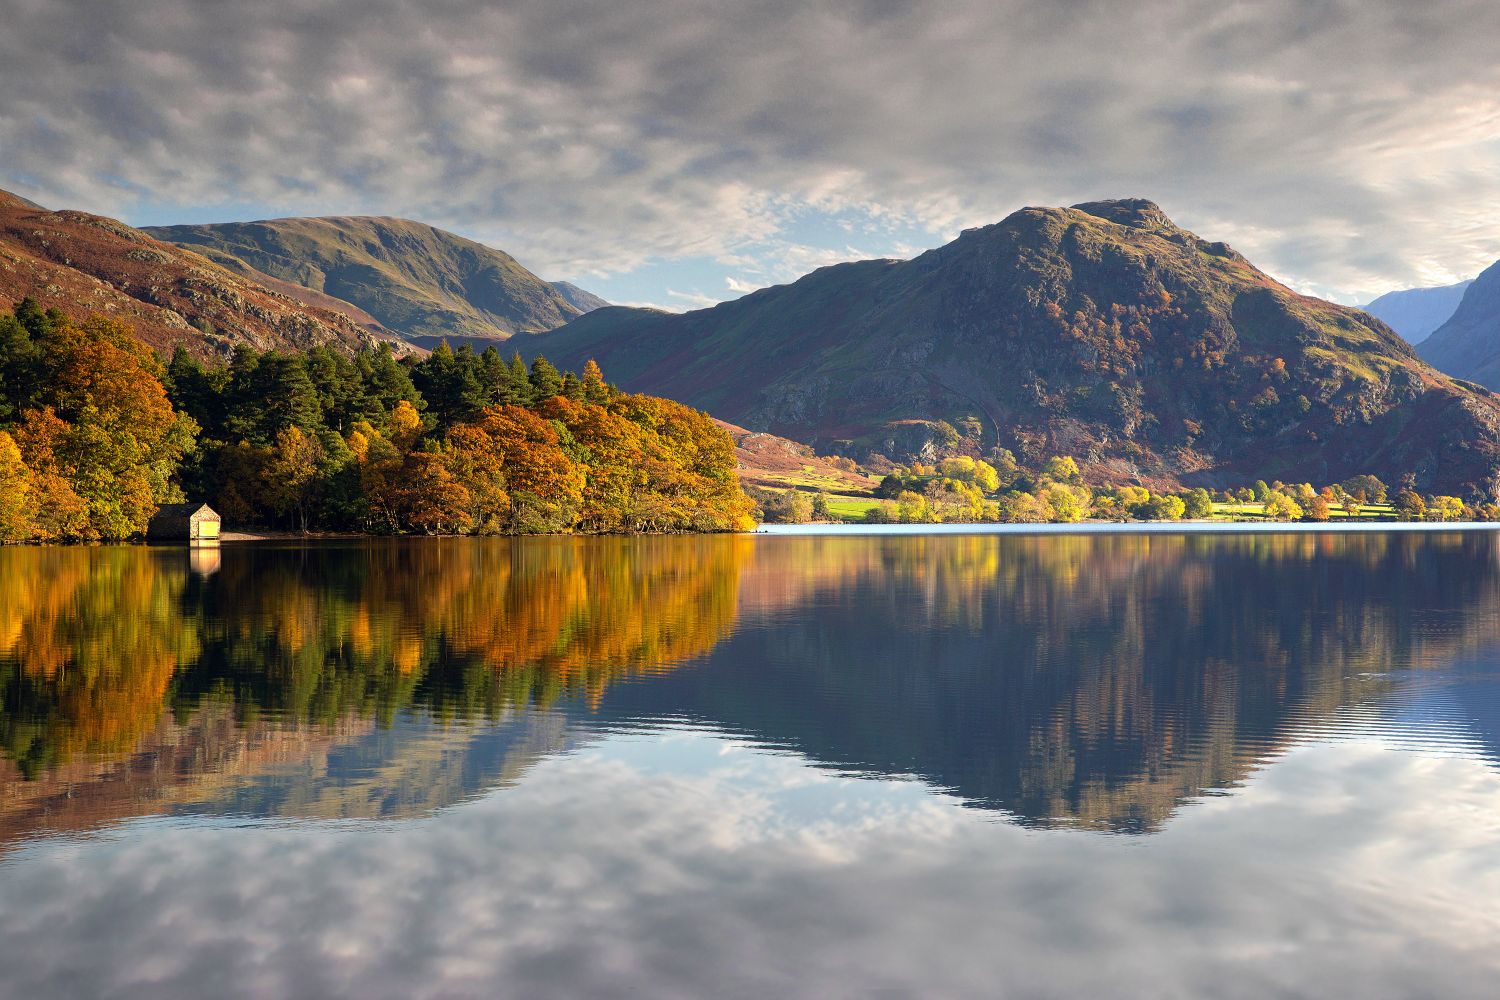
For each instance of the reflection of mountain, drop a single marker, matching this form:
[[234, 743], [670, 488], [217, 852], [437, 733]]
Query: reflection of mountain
[[1100, 680]]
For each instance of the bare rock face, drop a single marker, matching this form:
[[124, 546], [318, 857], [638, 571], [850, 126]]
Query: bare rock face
[[1103, 331]]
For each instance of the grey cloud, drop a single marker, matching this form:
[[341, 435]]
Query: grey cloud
[[723, 870], [587, 136]]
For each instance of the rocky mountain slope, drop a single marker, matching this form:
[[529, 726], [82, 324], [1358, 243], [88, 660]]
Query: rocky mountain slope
[[84, 264], [1103, 331], [419, 282], [1468, 344], [1416, 312]]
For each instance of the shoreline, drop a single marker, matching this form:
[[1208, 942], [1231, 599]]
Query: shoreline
[[1129, 528]]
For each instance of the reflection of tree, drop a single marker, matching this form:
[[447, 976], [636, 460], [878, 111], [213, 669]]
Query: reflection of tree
[[96, 644], [90, 641], [1090, 679], [1094, 679]]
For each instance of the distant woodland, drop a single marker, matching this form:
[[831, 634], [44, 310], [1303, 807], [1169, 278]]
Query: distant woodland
[[96, 432]]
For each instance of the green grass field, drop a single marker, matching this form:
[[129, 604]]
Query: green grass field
[[1253, 512], [851, 509]]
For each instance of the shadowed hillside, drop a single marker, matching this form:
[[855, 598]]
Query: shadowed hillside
[[1103, 331], [1468, 345]]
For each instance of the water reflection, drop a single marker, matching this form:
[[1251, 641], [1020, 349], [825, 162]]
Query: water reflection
[[1099, 681]]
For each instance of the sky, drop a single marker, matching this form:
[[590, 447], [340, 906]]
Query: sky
[[678, 153]]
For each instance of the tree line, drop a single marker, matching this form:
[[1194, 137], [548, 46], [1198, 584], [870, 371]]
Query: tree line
[[963, 489], [96, 432]]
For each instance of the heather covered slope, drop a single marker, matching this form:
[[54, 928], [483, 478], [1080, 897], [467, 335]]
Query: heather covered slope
[[1103, 331], [82, 264], [1468, 345], [417, 281]]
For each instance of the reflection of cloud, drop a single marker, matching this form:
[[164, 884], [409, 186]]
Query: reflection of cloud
[[666, 869]]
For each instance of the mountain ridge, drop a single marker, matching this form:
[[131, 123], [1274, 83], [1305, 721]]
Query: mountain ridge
[[1468, 344], [83, 264], [1103, 331], [1416, 312], [419, 282]]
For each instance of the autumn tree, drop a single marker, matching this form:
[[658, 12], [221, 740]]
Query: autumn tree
[[1280, 507], [1062, 469], [1409, 506], [17, 514], [290, 474]]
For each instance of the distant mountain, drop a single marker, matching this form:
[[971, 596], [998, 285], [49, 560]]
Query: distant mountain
[[1468, 345], [84, 264], [1103, 331], [581, 300], [1416, 312], [417, 281]]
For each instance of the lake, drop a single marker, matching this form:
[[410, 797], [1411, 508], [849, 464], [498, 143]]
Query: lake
[[1036, 765]]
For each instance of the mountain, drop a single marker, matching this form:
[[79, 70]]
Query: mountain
[[1416, 312], [1468, 345], [1103, 331], [583, 301], [419, 282], [84, 264]]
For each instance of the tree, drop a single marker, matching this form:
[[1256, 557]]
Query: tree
[[820, 507], [1446, 508], [1167, 508], [1197, 504], [595, 390], [291, 474], [17, 513], [1409, 506], [912, 508], [1062, 469], [1261, 491], [106, 430], [1003, 460], [1319, 509], [1366, 488], [1070, 504], [1280, 507], [1020, 507], [430, 498], [544, 486], [545, 380]]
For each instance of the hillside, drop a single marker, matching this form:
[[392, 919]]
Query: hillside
[[1468, 345], [84, 264], [580, 299], [1103, 331], [1416, 312], [419, 282], [763, 459]]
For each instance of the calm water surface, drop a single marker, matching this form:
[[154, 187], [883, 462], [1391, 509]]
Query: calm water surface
[[1119, 765]]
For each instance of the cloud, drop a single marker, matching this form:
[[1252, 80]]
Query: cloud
[[1348, 145], [669, 868], [694, 300]]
